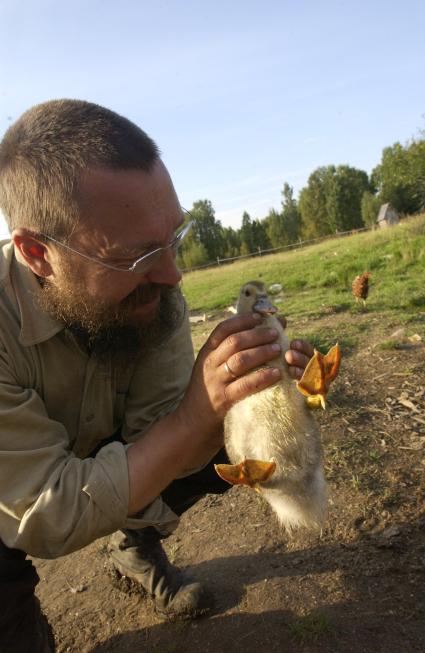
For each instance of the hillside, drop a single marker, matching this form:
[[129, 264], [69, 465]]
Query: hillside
[[321, 274]]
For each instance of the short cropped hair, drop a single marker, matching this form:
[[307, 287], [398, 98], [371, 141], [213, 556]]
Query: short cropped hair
[[43, 154]]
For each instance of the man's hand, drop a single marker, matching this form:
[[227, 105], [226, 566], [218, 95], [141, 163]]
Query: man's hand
[[226, 368], [297, 357]]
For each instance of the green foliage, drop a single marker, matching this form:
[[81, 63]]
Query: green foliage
[[370, 208], [312, 205], [232, 243], [284, 228], [192, 254], [345, 188], [290, 215], [275, 228], [207, 229], [400, 177], [386, 345], [247, 235], [259, 236], [310, 627], [331, 202]]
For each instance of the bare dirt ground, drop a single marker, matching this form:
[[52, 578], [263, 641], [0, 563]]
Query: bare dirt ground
[[356, 587]]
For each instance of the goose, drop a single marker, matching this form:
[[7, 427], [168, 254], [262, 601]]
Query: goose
[[272, 438]]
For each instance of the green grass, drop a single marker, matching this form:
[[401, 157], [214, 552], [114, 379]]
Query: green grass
[[317, 279], [389, 345], [310, 627]]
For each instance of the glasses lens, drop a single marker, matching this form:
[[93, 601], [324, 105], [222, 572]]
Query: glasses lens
[[184, 232], [147, 262]]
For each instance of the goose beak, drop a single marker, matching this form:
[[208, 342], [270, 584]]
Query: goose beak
[[264, 307]]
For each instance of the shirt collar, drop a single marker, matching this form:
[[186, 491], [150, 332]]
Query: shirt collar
[[36, 325]]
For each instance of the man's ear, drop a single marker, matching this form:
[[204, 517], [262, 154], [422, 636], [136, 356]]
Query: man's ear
[[33, 251]]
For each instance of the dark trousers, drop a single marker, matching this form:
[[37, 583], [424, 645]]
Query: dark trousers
[[23, 627]]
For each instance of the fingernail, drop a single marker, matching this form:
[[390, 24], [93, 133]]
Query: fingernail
[[276, 372], [257, 316], [275, 346], [273, 332]]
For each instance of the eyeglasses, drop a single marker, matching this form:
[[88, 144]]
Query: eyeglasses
[[142, 264]]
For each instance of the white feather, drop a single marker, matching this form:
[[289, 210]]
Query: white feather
[[276, 424]]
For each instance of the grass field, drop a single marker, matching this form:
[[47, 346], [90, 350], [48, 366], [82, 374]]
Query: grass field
[[316, 280]]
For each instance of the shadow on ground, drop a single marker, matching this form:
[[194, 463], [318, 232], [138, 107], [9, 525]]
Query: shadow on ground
[[384, 614]]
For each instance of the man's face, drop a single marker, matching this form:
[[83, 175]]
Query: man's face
[[123, 215]]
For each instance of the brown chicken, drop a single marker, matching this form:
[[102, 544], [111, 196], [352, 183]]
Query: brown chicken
[[360, 287]]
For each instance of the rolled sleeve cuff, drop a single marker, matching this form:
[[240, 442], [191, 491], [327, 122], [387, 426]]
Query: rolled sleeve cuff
[[108, 485], [108, 488]]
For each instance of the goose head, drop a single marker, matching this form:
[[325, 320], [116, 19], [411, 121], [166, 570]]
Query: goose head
[[253, 298]]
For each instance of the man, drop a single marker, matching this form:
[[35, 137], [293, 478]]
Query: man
[[107, 426]]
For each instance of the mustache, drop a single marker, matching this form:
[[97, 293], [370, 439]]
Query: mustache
[[144, 295]]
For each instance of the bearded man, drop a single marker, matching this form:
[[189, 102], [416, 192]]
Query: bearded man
[[107, 425]]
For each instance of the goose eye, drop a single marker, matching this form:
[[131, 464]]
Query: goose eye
[[247, 293]]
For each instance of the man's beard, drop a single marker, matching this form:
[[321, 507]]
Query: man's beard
[[106, 329]]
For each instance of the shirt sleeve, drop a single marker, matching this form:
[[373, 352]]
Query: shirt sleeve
[[51, 502]]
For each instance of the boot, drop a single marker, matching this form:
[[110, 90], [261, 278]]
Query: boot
[[139, 555]]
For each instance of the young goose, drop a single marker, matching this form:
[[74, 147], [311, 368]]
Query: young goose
[[272, 438]]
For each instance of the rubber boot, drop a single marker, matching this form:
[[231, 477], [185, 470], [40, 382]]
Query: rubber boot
[[139, 555]]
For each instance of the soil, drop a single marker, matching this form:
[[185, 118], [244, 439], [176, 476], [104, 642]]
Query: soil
[[358, 586]]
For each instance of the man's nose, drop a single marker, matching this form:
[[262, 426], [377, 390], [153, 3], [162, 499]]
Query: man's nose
[[166, 270]]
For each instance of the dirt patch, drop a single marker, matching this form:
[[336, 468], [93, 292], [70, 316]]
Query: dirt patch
[[356, 587]]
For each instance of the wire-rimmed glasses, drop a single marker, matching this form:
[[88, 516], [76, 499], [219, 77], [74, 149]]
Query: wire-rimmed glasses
[[143, 263]]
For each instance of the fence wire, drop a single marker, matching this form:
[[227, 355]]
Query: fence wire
[[260, 252]]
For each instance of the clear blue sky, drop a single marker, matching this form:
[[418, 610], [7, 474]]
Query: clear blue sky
[[240, 95]]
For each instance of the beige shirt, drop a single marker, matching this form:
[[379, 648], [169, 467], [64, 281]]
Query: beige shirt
[[56, 404]]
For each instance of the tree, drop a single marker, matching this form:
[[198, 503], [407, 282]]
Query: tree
[[191, 252], [332, 200], [312, 204], [275, 228], [191, 255], [246, 235], [232, 242], [344, 192], [400, 177], [260, 238], [370, 208], [207, 229], [291, 217], [417, 172]]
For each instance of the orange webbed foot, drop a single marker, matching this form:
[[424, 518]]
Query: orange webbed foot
[[318, 375], [249, 472]]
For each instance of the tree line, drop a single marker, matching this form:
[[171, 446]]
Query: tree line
[[336, 198]]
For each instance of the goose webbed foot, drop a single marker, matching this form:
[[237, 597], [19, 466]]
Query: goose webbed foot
[[248, 472], [318, 375]]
